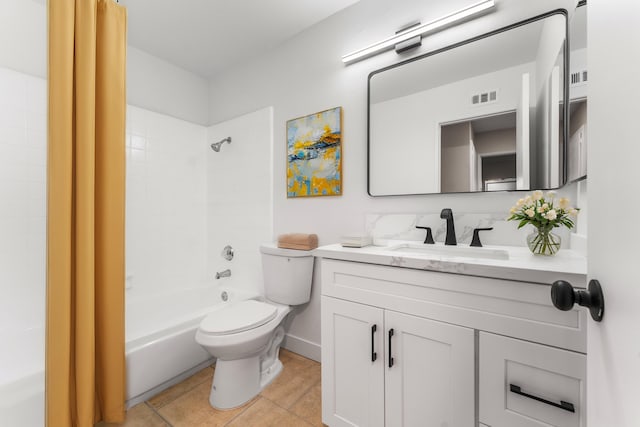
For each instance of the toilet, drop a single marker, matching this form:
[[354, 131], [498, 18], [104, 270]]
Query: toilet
[[245, 336]]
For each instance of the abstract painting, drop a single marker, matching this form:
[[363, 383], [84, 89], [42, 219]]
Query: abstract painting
[[314, 154]]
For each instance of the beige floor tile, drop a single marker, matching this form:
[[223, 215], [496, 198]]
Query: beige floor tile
[[309, 406], [139, 416], [192, 409], [173, 392], [297, 377], [264, 413]]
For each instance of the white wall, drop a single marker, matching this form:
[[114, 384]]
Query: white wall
[[239, 208], [306, 75], [157, 85], [166, 203], [23, 31], [152, 83]]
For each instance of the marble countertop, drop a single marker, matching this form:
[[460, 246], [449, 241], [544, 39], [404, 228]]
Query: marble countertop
[[521, 264]]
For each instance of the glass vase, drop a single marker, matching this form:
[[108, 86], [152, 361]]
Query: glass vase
[[543, 242]]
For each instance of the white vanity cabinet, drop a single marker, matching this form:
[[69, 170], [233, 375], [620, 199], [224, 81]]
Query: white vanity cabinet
[[410, 370], [407, 347]]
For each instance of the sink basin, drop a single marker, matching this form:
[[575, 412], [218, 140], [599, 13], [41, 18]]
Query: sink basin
[[450, 251]]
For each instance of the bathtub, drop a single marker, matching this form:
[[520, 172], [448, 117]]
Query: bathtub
[[22, 378], [160, 334]]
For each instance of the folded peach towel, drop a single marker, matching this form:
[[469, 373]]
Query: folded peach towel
[[300, 241]]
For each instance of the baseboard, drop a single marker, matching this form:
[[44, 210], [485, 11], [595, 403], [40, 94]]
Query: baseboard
[[303, 347]]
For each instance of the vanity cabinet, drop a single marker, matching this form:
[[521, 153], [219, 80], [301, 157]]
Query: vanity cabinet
[[411, 369], [407, 347]]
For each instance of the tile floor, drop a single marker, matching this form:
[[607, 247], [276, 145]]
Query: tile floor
[[293, 399]]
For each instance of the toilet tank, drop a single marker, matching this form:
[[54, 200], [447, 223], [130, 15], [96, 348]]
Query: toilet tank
[[287, 274]]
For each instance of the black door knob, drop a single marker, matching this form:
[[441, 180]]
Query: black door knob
[[564, 296]]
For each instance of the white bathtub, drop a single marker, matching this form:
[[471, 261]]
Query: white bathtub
[[22, 378], [160, 332]]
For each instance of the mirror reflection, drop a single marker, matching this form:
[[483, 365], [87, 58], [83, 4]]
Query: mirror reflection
[[577, 145], [483, 115]]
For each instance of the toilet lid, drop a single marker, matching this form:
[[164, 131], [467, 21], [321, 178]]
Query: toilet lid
[[238, 317]]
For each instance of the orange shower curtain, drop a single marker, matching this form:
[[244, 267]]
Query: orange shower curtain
[[85, 366]]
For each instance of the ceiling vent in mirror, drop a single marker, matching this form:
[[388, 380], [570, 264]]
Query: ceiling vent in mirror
[[579, 77], [484, 97]]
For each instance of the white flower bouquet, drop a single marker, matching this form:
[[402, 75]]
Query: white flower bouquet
[[545, 213]]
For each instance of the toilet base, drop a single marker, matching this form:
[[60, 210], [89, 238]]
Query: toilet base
[[235, 382], [270, 374]]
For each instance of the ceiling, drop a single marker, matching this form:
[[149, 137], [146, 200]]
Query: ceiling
[[209, 36]]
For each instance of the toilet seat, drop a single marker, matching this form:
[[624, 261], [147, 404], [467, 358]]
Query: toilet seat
[[239, 317]]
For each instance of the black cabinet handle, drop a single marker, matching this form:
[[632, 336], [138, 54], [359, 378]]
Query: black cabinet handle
[[564, 296], [562, 405], [374, 355], [390, 358]]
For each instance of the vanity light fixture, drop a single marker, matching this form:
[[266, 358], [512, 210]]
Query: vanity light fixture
[[437, 24]]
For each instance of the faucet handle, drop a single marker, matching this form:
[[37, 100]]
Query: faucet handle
[[475, 241], [429, 237]]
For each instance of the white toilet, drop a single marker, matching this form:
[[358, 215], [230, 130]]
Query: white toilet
[[245, 337]]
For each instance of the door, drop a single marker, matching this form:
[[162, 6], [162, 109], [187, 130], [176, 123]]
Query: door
[[352, 364], [430, 378], [613, 352]]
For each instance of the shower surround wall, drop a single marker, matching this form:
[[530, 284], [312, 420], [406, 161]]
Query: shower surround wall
[[23, 158], [166, 192], [185, 202], [240, 197]]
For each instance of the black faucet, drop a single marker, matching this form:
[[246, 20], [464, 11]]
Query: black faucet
[[450, 239]]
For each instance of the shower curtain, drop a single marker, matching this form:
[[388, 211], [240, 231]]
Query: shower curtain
[[85, 366]]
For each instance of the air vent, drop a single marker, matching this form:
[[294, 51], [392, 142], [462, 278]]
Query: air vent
[[484, 97], [579, 78]]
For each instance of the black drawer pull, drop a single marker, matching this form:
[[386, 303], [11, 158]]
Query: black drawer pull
[[390, 358], [374, 355], [563, 405]]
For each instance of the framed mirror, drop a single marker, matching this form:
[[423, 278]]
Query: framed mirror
[[485, 114]]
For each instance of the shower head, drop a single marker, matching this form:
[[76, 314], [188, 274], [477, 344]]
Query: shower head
[[216, 145]]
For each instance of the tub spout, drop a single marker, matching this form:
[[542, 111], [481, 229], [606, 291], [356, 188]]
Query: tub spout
[[225, 273]]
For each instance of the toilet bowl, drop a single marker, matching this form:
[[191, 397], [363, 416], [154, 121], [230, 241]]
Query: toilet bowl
[[245, 337]]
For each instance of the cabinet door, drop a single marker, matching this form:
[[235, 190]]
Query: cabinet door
[[523, 384], [432, 378], [352, 377]]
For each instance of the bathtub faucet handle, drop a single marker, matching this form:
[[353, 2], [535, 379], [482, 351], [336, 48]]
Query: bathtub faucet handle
[[225, 273], [227, 253]]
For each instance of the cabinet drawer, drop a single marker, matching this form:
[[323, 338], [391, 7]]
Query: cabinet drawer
[[523, 384]]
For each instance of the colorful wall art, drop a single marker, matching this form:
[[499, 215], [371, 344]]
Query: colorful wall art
[[314, 154]]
